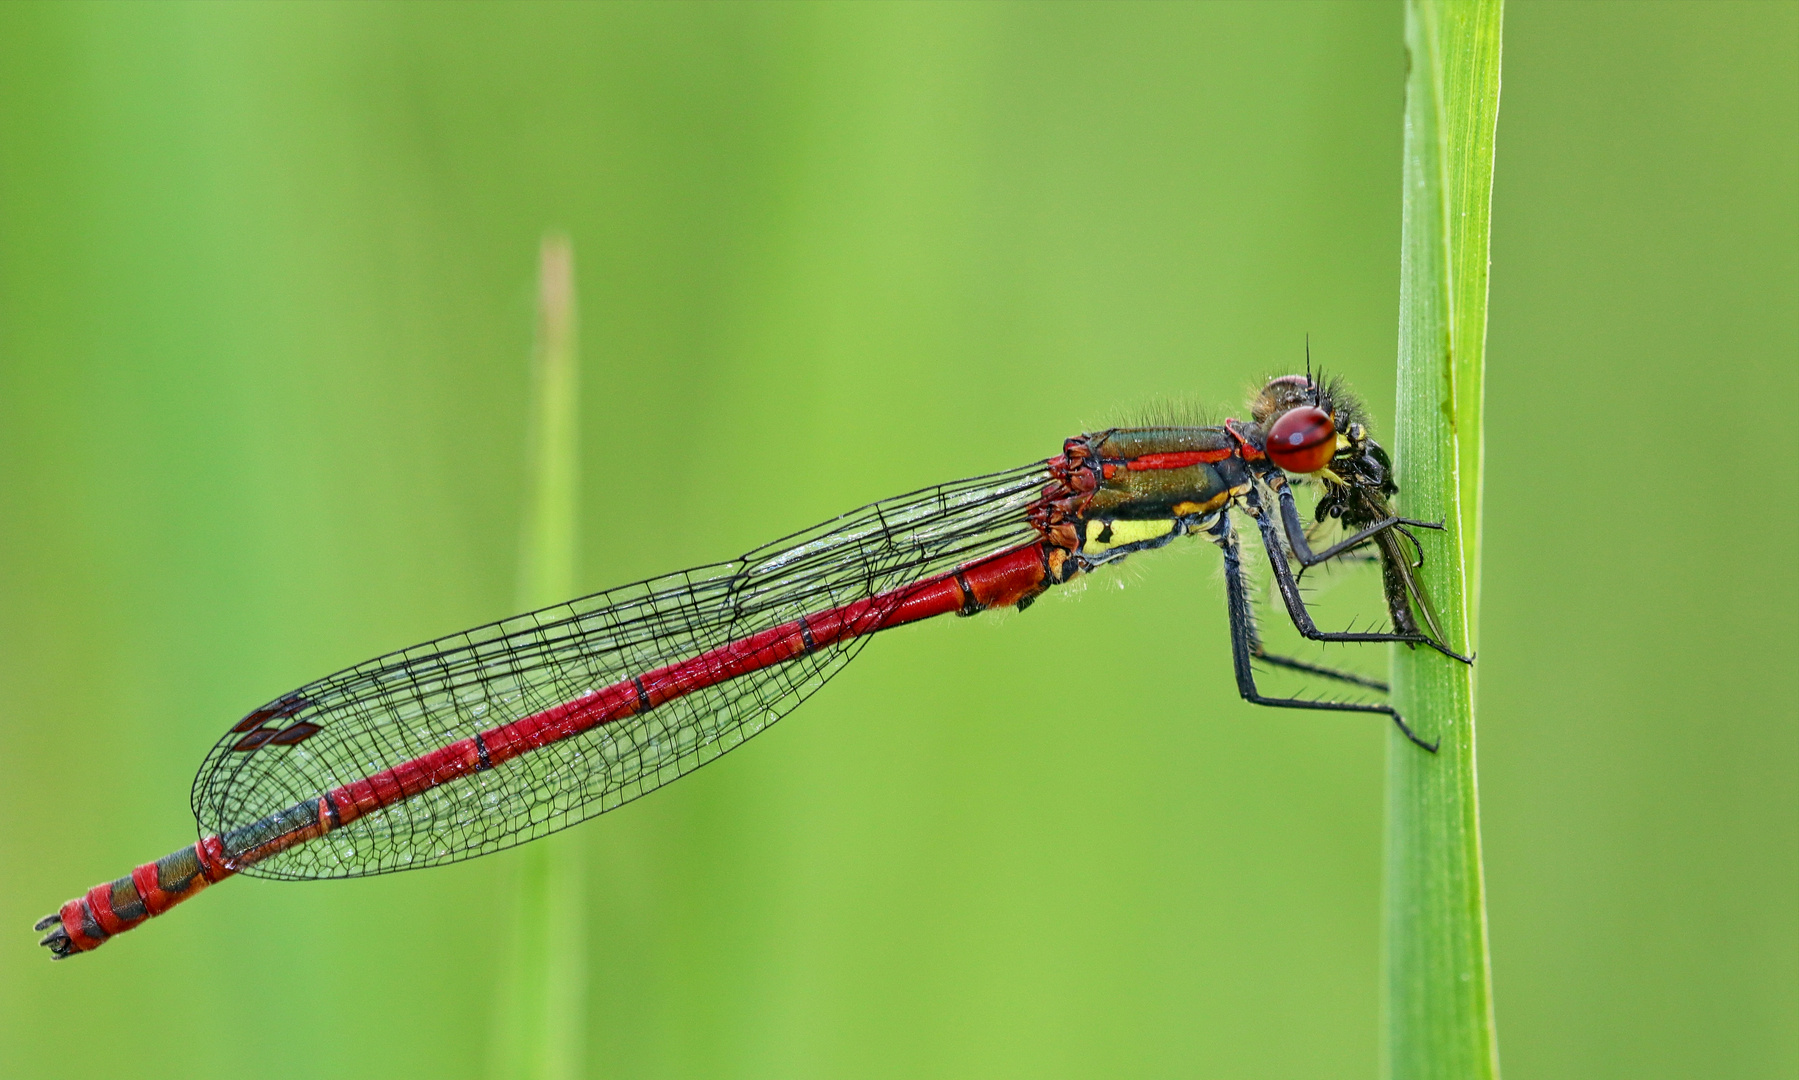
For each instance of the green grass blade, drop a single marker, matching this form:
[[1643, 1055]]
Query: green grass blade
[[542, 1011], [1439, 1001]]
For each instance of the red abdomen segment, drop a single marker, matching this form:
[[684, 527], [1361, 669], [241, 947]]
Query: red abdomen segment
[[1006, 579], [86, 922]]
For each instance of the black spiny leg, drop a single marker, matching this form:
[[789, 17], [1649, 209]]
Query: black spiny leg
[[1302, 548], [1291, 664], [1245, 644], [1260, 652], [1296, 605]]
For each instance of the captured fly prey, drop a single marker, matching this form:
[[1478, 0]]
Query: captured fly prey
[[506, 733]]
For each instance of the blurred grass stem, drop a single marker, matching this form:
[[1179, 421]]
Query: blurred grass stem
[[1438, 1006], [542, 1013]]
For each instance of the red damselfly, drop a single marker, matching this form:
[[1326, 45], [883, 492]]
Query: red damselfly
[[486, 739]]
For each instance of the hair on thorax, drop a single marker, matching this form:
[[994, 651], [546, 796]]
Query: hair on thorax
[[1266, 401], [1164, 411]]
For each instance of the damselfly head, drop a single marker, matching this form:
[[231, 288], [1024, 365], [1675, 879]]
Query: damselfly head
[[1282, 393], [1287, 392], [1310, 422]]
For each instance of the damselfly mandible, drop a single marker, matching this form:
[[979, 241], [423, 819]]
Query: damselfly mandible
[[486, 739]]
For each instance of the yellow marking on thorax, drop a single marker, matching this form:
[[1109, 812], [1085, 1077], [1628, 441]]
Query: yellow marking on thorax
[[1103, 535], [1188, 509]]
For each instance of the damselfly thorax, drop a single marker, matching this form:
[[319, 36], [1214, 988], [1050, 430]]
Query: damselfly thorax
[[505, 733]]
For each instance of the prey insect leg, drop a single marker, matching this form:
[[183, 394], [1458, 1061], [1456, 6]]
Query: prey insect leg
[[1245, 643], [1417, 548]]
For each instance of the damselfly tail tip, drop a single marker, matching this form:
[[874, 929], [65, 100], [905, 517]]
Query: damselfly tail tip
[[57, 940]]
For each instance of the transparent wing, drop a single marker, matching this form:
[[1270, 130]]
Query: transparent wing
[[395, 708]]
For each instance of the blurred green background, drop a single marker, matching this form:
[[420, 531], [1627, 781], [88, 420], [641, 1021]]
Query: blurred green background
[[266, 304]]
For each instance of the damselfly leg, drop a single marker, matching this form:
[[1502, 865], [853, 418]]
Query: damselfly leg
[[1288, 584], [1246, 643], [1296, 605], [1302, 549], [1261, 653]]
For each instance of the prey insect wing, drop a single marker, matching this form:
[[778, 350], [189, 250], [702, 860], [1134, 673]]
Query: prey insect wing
[[1398, 562]]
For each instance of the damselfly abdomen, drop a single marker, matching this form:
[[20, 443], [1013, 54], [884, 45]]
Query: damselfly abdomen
[[508, 732]]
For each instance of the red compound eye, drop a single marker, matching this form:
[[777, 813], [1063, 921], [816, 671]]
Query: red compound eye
[[1303, 440]]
